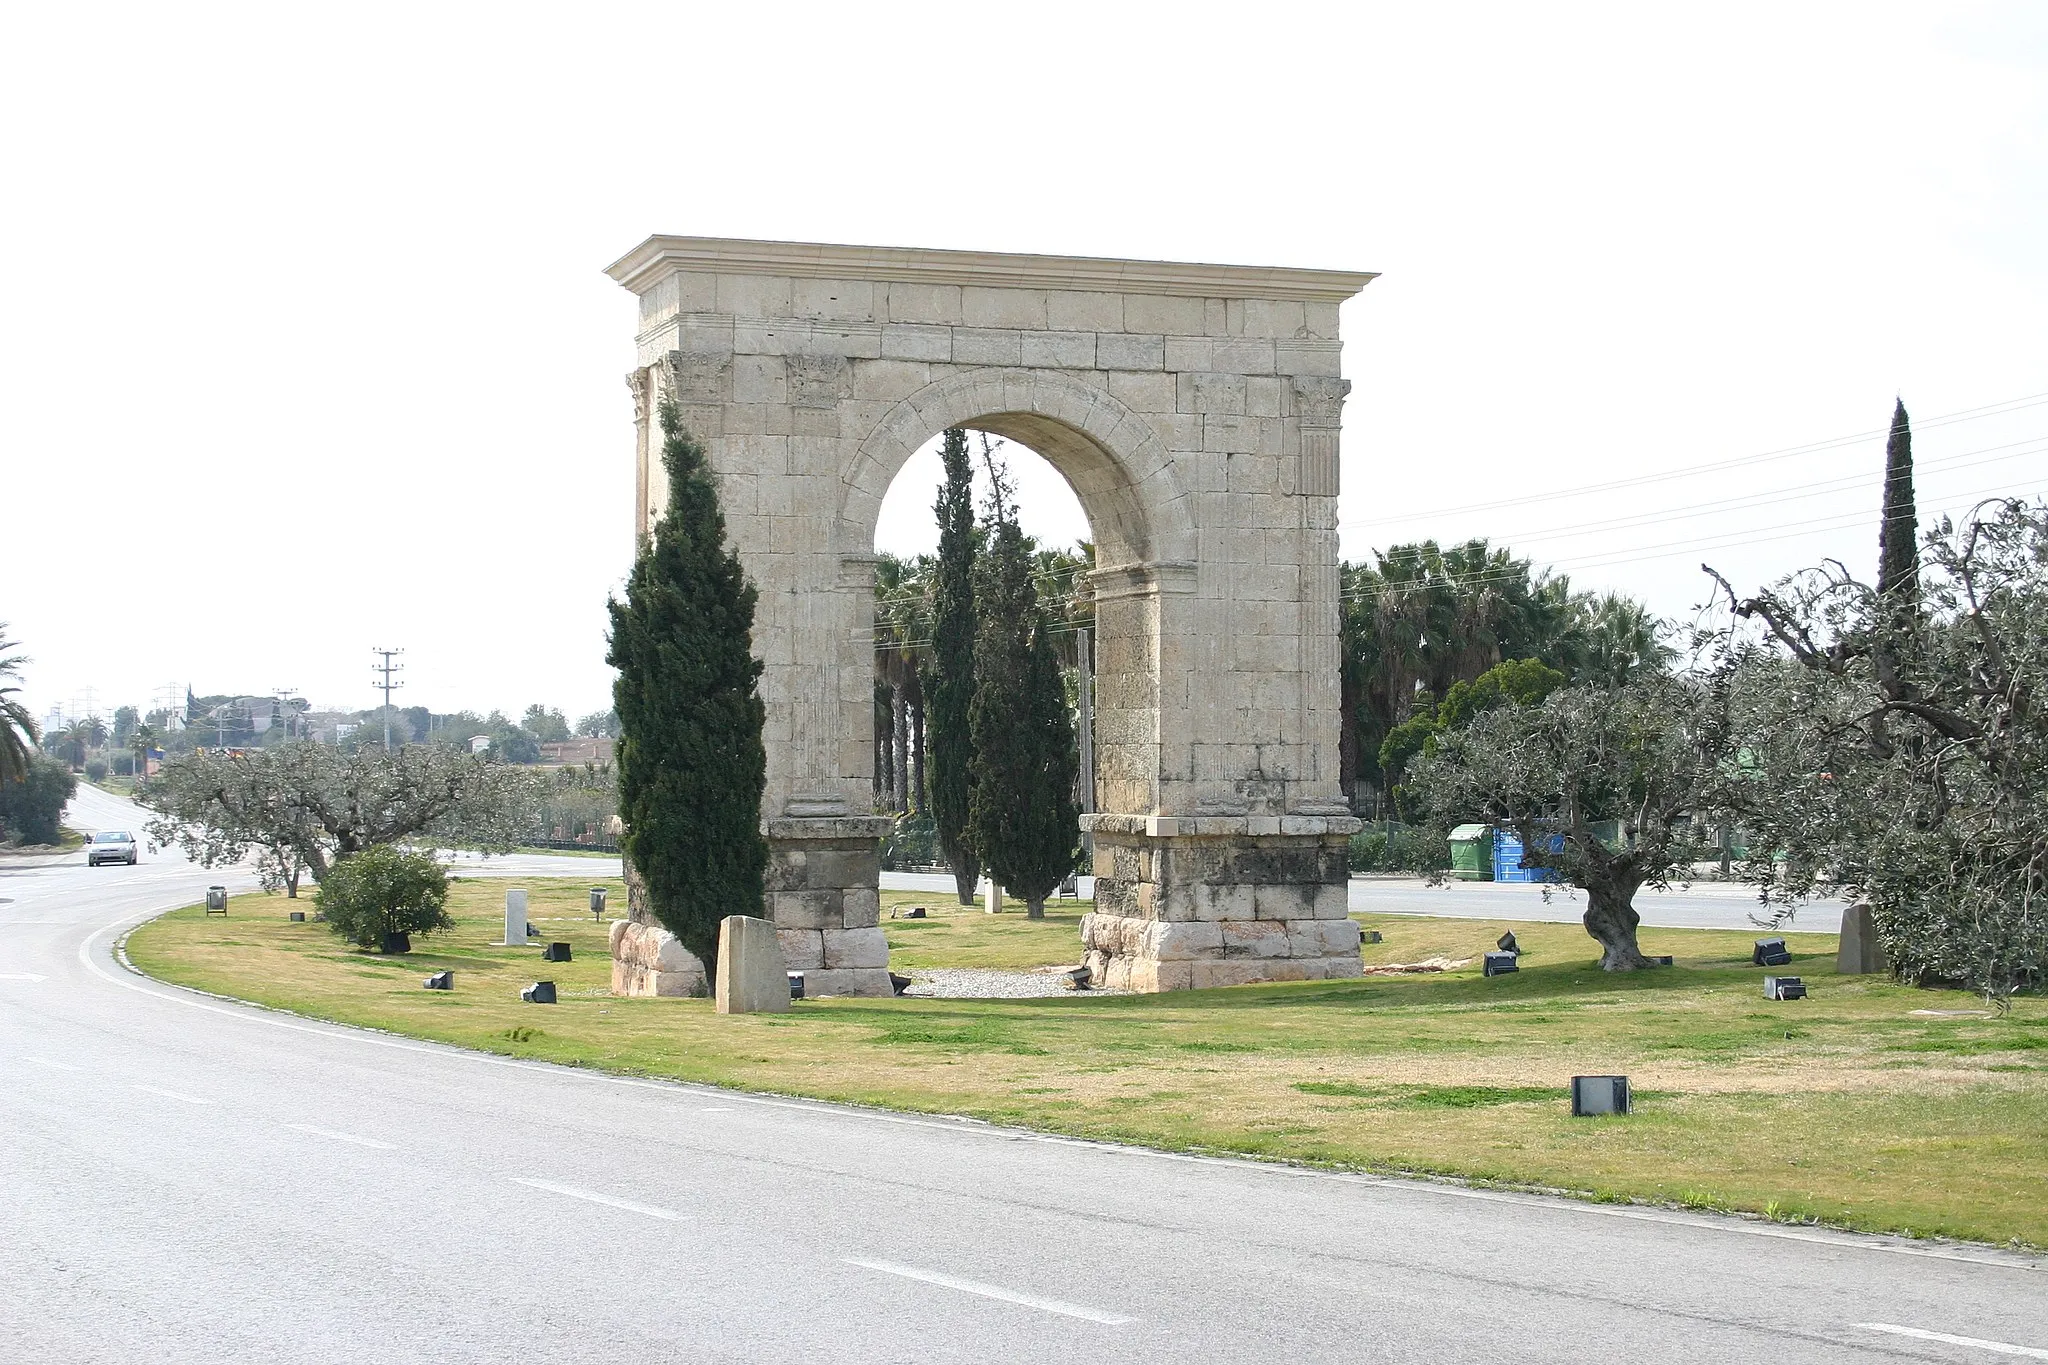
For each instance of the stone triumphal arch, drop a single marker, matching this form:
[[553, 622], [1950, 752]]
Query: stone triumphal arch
[[1194, 409]]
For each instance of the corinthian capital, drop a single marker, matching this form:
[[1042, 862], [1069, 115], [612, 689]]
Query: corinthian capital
[[1319, 399], [641, 384]]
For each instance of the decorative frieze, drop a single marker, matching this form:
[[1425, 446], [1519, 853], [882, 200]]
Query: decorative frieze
[[819, 381]]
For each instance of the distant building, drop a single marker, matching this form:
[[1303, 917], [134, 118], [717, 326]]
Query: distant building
[[479, 744], [575, 752]]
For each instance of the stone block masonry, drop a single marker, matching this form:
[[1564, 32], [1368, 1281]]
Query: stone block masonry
[[1195, 411]]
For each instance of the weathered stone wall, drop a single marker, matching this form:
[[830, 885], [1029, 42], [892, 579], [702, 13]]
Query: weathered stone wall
[[1193, 408]]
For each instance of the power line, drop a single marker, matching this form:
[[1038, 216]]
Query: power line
[[1635, 481], [1796, 493]]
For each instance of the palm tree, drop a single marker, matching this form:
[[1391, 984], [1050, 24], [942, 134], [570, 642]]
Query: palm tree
[[902, 636], [1616, 639], [18, 735]]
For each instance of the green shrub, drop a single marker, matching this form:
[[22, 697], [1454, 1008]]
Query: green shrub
[[95, 770], [384, 890], [30, 808], [1395, 847]]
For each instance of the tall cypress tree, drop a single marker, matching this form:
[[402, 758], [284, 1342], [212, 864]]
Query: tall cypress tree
[[1023, 816], [948, 673], [691, 762], [1898, 549]]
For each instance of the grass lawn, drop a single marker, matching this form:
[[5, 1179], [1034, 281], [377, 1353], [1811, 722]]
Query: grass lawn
[[1847, 1107]]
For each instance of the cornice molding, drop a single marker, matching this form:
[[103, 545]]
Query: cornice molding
[[656, 258]]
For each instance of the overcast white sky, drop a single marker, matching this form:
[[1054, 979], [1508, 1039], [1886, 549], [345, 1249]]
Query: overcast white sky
[[306, 348]]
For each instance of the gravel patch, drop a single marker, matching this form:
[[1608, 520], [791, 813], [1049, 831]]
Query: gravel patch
[[993, 983]]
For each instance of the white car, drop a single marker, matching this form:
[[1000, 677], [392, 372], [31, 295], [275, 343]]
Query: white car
[[111, 846]]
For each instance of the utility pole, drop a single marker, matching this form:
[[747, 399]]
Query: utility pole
[[386, 669], [284, 705]]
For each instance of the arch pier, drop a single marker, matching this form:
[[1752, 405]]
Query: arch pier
[[1194, 409]]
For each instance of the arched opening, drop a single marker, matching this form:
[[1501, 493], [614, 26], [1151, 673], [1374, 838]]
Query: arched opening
[[1056, 530], [1121, 482]]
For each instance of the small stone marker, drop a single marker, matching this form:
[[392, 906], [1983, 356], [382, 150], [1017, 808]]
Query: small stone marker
[[1784, 988], [515, 917], [992, 898], [752, 978], [1860, 954], [298, 917], [1499, 964], [1770, 952], [539, 993], [555, 952], [440, 981]]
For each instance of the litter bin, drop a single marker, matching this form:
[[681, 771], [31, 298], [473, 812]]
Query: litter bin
[[1472, 853]]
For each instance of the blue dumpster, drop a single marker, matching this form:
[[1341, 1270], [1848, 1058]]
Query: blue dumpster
[[1507, 858]]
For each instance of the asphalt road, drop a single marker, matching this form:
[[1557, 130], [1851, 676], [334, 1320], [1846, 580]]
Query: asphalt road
[[186, 1179]]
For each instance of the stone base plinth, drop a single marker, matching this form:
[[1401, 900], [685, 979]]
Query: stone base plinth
[[823, 875], [1191, 902]]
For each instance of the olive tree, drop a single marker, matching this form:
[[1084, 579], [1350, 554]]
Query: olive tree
[[302, 804], [1897, 746], [1649, 756]]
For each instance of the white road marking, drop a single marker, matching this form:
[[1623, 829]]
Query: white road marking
[[596, 1198], [342, 1137], [55, 1066], [990, 1291], [21, 976], [133, 979], [172, 1095], [2004, 1348]]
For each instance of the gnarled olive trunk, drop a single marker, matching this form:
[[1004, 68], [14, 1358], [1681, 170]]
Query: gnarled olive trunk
[[963, 882], [1034, 909], [1611, 919]]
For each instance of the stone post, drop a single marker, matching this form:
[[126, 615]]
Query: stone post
[[515, 917], [751, 975]]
